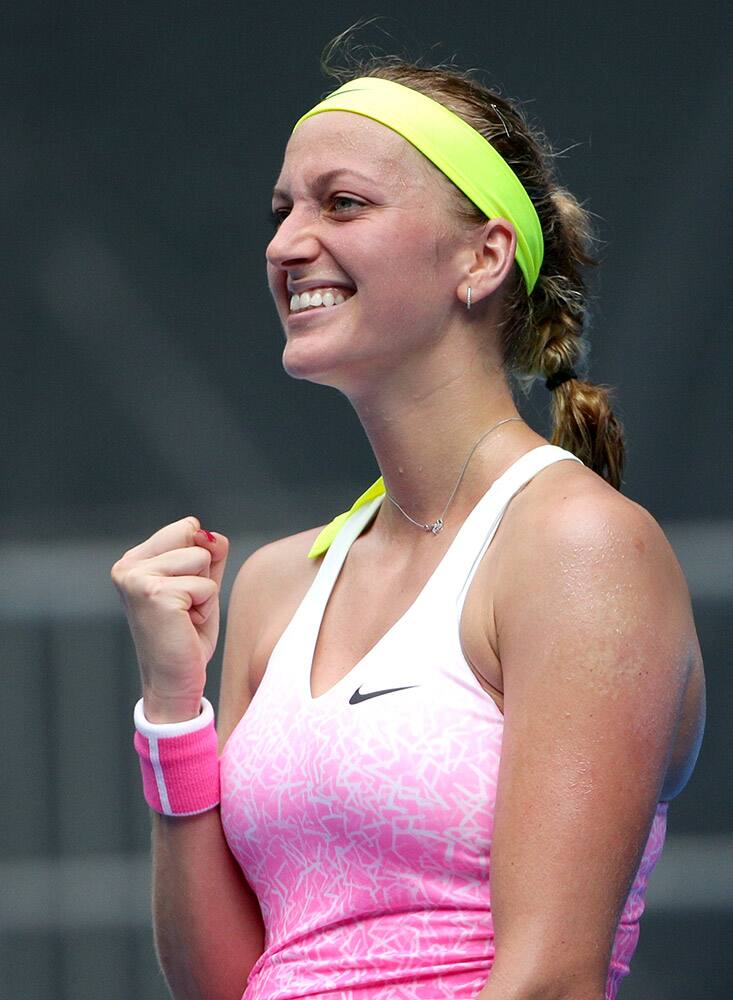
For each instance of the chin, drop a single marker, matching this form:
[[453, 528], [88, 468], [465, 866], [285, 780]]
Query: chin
[[332, 358], [303, 364]]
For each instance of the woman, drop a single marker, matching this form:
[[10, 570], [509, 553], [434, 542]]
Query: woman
[[447, 740]]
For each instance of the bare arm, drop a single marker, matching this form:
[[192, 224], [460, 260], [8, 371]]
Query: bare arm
[[207, 920], [596, 640]]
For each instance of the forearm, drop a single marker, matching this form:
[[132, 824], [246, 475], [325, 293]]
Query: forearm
[[207, 921]]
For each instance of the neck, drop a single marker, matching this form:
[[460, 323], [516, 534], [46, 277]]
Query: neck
[[421, 443]]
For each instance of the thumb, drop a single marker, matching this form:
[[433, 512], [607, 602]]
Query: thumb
[[218, 546]]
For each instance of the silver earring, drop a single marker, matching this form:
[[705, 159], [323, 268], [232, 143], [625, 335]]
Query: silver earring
[[468, 298]]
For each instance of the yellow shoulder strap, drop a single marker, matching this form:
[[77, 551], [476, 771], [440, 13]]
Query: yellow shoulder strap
[[328, 534]]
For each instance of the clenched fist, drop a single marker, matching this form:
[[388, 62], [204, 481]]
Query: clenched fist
[[169, 585]]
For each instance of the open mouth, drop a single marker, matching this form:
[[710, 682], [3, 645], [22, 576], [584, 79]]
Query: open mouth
[[323, 310]]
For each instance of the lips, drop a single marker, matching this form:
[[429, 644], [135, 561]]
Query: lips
[[298, 287]]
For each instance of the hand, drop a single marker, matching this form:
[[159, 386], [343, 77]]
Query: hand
[[169, 585]]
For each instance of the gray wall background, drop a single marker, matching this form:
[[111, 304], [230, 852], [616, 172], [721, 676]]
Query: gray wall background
[[141, 381]]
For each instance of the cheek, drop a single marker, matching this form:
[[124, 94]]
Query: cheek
[[410, 259], [272, 277]]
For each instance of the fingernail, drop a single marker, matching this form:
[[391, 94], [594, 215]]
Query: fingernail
[[209, 534]]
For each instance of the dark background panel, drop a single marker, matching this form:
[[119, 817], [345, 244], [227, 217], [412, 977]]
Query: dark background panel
[[140, 145], [142, 381]]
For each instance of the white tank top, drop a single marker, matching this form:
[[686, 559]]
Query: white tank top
[[363, 818]]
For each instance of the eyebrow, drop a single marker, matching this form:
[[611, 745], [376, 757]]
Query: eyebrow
[[325, 178]]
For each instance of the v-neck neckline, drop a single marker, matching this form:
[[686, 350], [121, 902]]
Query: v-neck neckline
[[351, 531]]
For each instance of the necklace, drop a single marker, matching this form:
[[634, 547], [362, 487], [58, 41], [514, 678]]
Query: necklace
[[436, 526]]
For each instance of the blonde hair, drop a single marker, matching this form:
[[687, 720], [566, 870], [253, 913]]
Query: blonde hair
[[541, 333]]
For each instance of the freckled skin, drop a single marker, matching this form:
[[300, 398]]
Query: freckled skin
[[596, 641]]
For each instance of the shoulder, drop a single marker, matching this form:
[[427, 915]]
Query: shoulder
[[265, 593], [589, 573], [568, 514], [275, 565], [266, 577], [573, 520]]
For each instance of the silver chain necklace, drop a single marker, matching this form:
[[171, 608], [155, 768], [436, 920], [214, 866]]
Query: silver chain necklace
[[436, 526]]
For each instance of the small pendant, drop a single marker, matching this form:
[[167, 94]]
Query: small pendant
[[435, 528]]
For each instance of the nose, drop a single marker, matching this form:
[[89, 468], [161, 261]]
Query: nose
[[294, 241]]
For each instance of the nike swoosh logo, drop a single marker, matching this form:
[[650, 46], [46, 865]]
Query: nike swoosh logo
[[357, 696]]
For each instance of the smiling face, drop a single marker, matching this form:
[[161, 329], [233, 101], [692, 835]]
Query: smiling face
[[360, 209]]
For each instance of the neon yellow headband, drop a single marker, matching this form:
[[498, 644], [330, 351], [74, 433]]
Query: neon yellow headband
[[456, 149]]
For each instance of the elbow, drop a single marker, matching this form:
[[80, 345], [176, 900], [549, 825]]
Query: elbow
[[519, 983], [190, 976], [540, 991]]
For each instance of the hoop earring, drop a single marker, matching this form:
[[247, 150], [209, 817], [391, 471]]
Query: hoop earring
[[468, 298]]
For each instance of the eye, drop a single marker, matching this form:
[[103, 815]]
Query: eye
[[276, 216], [346, 197]]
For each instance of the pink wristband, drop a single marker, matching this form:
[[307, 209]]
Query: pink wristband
[[179, 762]]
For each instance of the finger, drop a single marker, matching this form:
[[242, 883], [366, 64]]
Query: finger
[[177, 562], [200, 612], [204, 608], [218, 546], [172, 536], [206, 616], [186, 592], [134, 579], [201, 591]]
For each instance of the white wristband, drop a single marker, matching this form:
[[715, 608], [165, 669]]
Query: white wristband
[[161, 729]]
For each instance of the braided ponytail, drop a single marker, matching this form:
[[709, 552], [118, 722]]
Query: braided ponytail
[[541, 333], [543, 337], [552, 342]]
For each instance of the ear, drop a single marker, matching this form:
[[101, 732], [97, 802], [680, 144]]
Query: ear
[[490, 258]]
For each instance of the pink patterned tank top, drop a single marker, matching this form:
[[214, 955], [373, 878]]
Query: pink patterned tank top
[[362, 818]]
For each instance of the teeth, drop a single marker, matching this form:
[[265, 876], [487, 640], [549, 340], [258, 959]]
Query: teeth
[[316, 298]]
